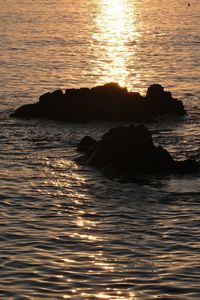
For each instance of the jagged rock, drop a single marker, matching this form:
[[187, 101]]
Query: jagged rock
[[161, 102], [131, 150], [108, 102]]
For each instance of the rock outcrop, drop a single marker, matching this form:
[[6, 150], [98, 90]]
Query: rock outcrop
[[131, 150], [108, 102]]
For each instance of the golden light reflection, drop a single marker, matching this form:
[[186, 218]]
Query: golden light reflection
[[114, 14], [118, 295], [87, 224], [112, 296], [85, 237], [116, 28], [84, 229], [67, 260], [63, 182]]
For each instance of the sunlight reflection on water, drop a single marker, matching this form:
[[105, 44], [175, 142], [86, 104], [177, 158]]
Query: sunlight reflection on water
[[68, 232], [116, 27]]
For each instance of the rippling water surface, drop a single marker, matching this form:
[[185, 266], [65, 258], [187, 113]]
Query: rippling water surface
[[68, 231]]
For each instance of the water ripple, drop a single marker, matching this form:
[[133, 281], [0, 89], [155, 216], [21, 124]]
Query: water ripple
[[67, 231]]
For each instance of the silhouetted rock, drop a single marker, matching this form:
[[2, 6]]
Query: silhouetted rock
[[108, 102], [160, 102], [131, 150], [86, 144]]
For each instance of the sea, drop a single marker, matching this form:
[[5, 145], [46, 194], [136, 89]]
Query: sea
[[69, 231]]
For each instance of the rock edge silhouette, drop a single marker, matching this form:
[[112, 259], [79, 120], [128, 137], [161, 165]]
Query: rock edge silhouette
[[108, 102]]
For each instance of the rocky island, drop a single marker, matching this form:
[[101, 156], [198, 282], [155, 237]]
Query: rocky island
[[131, 150], [108, 102]]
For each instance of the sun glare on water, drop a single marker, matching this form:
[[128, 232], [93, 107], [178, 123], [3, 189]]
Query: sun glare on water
[[115, 28], [116, 7]]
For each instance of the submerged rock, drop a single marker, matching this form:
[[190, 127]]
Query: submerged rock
[[131, 150], [108, 102]]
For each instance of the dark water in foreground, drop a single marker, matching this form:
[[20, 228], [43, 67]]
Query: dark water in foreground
[[67, 231]]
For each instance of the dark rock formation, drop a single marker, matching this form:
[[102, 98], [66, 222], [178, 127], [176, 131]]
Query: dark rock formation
[[131, 150], [86, 144], [109, 102]]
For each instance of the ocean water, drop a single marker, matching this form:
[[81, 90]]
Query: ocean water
[[67, 231]]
